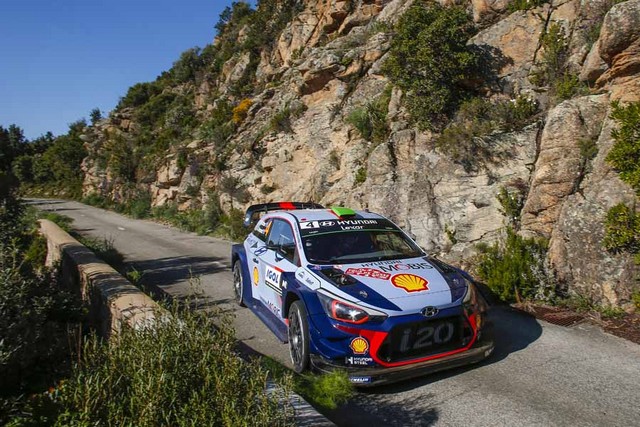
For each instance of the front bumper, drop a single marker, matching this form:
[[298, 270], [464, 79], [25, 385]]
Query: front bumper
[[374, 376]]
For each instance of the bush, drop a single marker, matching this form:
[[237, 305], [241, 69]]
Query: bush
[[240, 111], [430, 60], [552, 69], [36, 312], [361, 175], [622, 230], [512, 201], [569, 86], [514, 268], [467, 139], [635, 299], [371, 119], [182, 372], [625, 153]]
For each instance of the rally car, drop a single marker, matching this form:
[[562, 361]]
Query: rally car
[[348, 289]]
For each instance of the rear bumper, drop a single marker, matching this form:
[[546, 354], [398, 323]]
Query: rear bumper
[[374, 376]]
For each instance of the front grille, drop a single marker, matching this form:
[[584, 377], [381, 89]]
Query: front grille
[[425, 338]]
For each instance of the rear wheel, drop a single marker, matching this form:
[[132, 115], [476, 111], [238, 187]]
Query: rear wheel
[[298, 337], [238, 286]]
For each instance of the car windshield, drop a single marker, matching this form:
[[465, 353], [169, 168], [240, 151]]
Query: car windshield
[[359, 246]]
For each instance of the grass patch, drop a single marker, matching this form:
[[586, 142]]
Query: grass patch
[[103, 248], [326, 391]]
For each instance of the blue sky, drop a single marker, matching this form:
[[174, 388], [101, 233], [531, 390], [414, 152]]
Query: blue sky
[[59, 59]]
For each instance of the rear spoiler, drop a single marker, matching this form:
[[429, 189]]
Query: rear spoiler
[[253, 211]]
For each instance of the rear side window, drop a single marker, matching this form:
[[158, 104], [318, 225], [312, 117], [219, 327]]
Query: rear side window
[[262, 229]]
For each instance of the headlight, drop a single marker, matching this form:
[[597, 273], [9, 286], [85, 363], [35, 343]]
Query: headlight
[[470, 298], [347, 312]]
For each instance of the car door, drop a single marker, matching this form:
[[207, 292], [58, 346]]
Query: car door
[[280, 258], [255, 247]]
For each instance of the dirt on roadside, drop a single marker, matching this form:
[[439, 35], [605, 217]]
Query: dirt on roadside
[[627, 326]]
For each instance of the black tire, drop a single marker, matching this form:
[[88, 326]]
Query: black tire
[[238, 284], [298, 337]]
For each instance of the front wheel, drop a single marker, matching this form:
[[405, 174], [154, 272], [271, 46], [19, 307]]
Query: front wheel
[[298, 337], [238, 286]]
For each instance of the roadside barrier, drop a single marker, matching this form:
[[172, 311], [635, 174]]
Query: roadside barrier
[[112, 299]]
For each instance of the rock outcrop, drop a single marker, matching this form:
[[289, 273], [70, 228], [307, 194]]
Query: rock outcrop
[[328, 61]]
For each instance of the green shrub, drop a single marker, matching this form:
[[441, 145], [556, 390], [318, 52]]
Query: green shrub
[[588, 148], [97, 200], [622, 230], [552, 67], [635, 299], [103, 248], [182, 372], [569, 86], [430, 61], [281, 121], [511, 201], [625, 153], [268, 189], [61, 221], [361, 175], [467, 139], [371, 119], [37, 314], [514, 268]]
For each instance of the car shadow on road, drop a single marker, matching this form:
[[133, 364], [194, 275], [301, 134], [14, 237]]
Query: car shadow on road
[[513, 331], [164, 272]]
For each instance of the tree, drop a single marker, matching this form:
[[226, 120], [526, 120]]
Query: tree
[[95, 115], [12, 144]]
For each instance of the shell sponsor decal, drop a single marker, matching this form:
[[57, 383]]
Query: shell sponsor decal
[[256, 276], [410, 282], [359, 345]]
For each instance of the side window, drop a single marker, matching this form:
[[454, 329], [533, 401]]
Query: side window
[[281, 235], [262, 229]]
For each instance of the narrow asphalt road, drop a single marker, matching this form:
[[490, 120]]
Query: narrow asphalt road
[[540, 374]]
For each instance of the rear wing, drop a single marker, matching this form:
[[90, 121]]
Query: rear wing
[[253, 212]]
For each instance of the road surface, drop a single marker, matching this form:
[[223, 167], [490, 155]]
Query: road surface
[[540, 375]]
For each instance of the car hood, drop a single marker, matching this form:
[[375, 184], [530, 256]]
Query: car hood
[[406, 285]]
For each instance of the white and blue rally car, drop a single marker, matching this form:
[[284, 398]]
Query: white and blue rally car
[[350, 290]]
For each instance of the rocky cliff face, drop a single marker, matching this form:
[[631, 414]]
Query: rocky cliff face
[[296, 143]]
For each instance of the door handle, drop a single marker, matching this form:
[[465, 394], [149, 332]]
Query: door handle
[[256, 261]]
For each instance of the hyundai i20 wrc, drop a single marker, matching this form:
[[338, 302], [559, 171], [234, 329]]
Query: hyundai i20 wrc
[[350, 290]]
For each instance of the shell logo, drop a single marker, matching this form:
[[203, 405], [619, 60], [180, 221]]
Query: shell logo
[[359, 345], [256, 276], [410, 282]]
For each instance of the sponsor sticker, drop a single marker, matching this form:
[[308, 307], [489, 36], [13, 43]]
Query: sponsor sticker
[[359, 345], [368, 272], [271, 306], [309, 225], [360, 361], [410, 282], [260, 251], [404, 267], [360, 380], [273, 277], [256, 276]]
